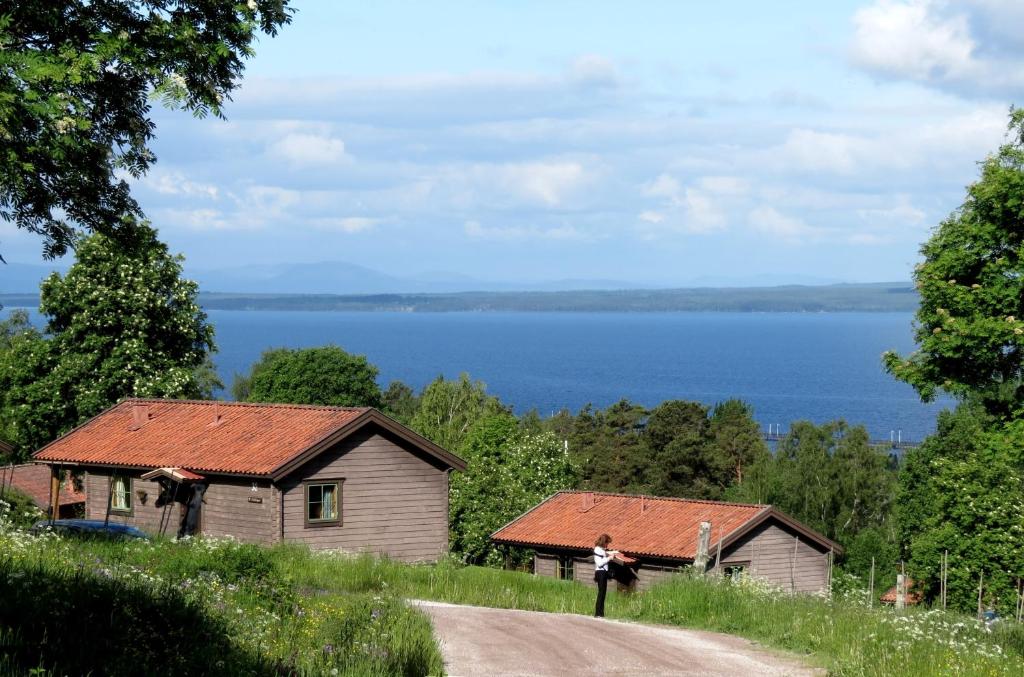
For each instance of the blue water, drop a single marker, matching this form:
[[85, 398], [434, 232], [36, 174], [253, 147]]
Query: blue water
[[789, 366]]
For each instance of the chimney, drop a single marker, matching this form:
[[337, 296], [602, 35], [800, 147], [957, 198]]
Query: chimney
[[700, 562], [140, 414], [588, 501], [218, 418]]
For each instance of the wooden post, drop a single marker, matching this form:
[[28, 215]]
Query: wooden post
[[901, 591], [981, 581], [871, 584], [792, 565], [54, 492], [1020, 600], [831, 557], [945, 576], [718, 555], [110, 499], [700, 562]]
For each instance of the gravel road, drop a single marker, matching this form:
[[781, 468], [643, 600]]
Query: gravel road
[[502, 642]]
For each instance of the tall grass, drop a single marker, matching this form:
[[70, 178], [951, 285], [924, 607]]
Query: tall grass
[[70, 607], [843, 635]]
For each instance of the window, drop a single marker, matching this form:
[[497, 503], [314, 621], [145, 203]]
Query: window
[[735, 572], [566, 567], [323, 503], [121, 493]]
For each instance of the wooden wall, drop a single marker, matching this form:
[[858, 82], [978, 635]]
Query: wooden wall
[[393, 502], [781, 557], [226, 512], [771, 552]]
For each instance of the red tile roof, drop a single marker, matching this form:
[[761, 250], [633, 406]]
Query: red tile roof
[[34, 481], [220, 437], [912, 596], [639, 525]]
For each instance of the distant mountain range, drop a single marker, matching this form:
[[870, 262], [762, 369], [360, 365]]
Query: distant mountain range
[[339, 277]]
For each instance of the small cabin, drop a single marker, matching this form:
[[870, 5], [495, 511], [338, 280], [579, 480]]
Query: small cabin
[[34, 482], [341, 478], [660, 536]]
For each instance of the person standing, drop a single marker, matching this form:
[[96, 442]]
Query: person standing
[[602, 556]]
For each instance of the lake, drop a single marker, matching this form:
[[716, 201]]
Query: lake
[[789, 366]]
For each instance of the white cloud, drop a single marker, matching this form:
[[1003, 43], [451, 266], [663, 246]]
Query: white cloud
[[475, 230], [697, 208], [175, 183], [968, 47], [308, 150], [770, 221], [594, 70], [348, 224], [810, 150], [548, 182]]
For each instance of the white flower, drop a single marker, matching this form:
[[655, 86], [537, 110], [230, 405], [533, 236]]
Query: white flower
[[251, 4]]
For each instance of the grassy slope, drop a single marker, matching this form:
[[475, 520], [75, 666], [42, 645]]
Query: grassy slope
[[286, 610], [70, 607], [844, 636]]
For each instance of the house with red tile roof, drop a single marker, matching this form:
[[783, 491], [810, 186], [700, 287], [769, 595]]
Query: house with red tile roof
[[332, 477], [34, 481], [658, 536]]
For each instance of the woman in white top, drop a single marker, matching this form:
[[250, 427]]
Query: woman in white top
[[602, 556]]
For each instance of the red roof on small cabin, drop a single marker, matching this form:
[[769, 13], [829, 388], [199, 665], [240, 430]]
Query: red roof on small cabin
[[34, 481], [220, 437], [912, 596], [639, 525]]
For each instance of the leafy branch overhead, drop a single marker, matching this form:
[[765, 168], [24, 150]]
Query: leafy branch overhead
[[76, 83], [970, 325]]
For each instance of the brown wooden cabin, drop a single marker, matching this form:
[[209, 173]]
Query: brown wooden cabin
[[663, 536], [33, 481], [338, 478]]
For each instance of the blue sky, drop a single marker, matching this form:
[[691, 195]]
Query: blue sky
[[653, 142]]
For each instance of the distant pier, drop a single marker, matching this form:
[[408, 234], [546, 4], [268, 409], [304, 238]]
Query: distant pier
[[774, 435]]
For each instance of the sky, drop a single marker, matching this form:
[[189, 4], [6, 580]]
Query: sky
[[659, 143]]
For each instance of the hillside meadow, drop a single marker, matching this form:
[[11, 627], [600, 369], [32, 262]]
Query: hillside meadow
[[217, 606]]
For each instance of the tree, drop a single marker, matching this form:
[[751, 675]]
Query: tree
[[970, 324], [736, 436], [962, 491], [827, 476], [448, 409], [119, 324], [326, 376], [510, 471], [682, 460], [400, 402], [609, 448], [76, 81]]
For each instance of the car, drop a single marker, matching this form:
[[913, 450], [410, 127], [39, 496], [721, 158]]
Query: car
[[90, 528]]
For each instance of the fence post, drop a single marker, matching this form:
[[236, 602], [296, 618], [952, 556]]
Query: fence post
[[981, 581], [871, 585]]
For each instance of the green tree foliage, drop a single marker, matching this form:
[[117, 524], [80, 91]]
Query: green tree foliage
[[609, 447], [16, 328], [510, 471], [675, 449], [76, 81], [962, 491], [970, 324], [448, 409], [119, 324], [400, 402], [326, 375], [828, 477], [736, 437]]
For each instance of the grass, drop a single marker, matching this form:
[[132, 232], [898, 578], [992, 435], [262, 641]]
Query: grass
[[78, 607], [844, 636], [216, 606]]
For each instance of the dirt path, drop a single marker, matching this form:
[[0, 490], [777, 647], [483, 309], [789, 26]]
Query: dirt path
[[493, 642]]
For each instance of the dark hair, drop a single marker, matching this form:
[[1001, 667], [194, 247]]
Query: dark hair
[[603, 540]]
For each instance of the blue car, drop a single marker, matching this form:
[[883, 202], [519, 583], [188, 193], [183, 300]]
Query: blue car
[[80, 527]]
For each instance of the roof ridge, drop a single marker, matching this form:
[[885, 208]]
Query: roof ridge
[[667, 498], [235, 403]]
